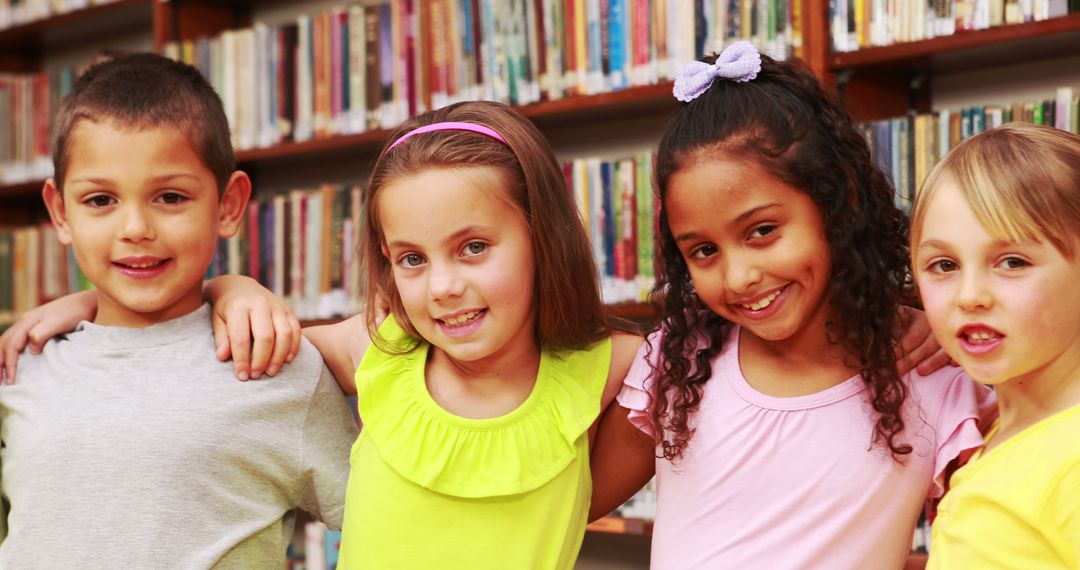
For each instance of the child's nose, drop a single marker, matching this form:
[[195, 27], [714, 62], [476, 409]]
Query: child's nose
[[444, 281], [136, 225], [740, 274], [973, 293]]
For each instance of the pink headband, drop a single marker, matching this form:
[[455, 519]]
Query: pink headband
[[450, 126]]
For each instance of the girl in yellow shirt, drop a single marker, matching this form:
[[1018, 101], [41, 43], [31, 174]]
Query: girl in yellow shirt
[[479, 391], [996, 254]]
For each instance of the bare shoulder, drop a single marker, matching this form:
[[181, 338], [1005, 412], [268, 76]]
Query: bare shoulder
[[624, 347]]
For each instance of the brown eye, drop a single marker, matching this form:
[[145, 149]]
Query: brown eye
[[99, 201], [475, 248], [411, 260], [172, 198]]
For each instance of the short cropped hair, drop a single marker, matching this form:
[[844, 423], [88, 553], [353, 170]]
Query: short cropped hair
[[146, 90], [1021, 180]]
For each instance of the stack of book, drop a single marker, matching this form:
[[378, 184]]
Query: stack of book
[[857, 24], [20, 12], [907, 148]]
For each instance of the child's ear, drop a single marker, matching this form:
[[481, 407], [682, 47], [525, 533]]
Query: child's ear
[[232, 207], [385, 251], [54, 201]]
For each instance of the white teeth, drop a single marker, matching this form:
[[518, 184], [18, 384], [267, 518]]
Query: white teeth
[[982, 336], [764, 302], [143, 265], [461, 319]]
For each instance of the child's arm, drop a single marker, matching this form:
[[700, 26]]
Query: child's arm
[[342, 346], [915, 561], [252, 325], [242, 309], [37, 326], [623, 460], [621, 456]]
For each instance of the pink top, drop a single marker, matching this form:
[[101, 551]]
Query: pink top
[[772, 482]]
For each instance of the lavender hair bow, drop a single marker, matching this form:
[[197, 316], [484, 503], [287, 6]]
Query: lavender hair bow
[[739, 62]]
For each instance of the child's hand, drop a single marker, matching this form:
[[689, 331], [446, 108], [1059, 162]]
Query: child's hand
[[251, 325], [918, 345], [34, 328]]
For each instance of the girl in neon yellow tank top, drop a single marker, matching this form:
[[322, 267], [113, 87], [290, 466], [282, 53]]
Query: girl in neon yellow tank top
[[479, 392]]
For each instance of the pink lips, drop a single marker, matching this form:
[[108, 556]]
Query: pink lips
[[142, 267], [982, 346]]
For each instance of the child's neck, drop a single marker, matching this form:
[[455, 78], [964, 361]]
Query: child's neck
[[799, 365], [486, 388], [1026, 400], [111, 313]]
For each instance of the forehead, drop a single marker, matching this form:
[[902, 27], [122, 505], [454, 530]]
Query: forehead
[[438, 200], [717, 191], [108, 144]]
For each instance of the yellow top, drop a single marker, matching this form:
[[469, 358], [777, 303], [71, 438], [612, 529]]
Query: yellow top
[[429, 489], [1016, 506]]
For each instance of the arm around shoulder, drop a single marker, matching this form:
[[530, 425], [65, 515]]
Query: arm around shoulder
[[623, 459]]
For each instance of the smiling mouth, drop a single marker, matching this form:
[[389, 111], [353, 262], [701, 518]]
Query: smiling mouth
[[148, 265], [462, 319], [763, 303]]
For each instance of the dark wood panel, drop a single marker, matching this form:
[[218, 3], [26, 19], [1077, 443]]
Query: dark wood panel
[[28, 40], [1057, 37]]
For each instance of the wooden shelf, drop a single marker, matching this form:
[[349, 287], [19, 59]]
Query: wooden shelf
[[570, 110], [619, 525], [363, 143], [21, 190], [1017, 43], [76, 27], [592, 108]]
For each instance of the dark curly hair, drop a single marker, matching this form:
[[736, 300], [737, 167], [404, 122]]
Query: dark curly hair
[[791, 127]]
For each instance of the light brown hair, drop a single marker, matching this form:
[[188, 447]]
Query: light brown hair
[[1021, 180], [566, 297]]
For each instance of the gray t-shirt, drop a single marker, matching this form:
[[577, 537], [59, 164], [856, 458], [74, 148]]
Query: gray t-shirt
[[137, 448]]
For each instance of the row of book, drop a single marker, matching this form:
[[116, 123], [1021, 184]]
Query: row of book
[[907, 148], [619, 209], [299, 244], [19, 12], [361, 67], [28, 104], [856, 24], [34, 268]]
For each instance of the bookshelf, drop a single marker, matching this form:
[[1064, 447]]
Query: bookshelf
[[877, 82], [889, 80]]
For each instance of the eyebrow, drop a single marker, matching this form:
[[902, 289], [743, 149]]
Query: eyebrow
[[453, 237], [738, 220], [931, 243], [156, 180]]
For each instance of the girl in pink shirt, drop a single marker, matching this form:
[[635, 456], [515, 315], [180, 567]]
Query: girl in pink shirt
[[769, 402]]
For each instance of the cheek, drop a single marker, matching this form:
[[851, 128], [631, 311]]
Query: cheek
[[936, 298]]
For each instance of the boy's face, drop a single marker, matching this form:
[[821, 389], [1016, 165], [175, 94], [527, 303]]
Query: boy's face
[[142, 213], [1008, 312]]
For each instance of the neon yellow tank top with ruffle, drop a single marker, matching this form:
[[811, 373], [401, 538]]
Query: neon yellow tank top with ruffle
[[429, 489]]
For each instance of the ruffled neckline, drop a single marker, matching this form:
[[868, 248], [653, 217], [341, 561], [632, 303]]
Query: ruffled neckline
[[471, 458]]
